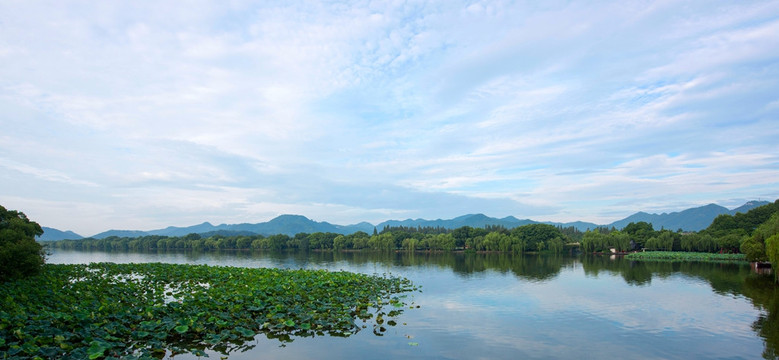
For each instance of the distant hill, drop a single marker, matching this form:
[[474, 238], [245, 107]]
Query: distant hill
[[284, 224], [51, 234], [748, 206], [120, 233], [182, 231], [479, 221], [694, 219], [472, 220]]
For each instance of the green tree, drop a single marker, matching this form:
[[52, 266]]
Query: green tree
[[766, 238], [753, 249], [20, 254], [537, 235], [620, 240], [556, 245], [640, 232], [772, 252], [665, 241]]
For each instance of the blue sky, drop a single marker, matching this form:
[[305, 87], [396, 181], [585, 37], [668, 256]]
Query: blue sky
[[145, 114]]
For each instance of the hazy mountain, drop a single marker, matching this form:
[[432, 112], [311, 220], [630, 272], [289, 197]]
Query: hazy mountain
[[472, 220], [694, 219], [51, 234], [748, 206], [120, 233], [351, 229], [291, 225], [480, 220], [182, 231], [579, 225]]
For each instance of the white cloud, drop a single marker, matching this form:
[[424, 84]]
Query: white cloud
[[358, 111]]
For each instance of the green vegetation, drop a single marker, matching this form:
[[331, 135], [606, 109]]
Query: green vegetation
[[20, 254], [534, 238], [147, 310], [745, 233], [750, 230], [768, 235], [684, 256]]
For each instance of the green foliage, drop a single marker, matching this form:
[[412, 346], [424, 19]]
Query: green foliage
[[536, 236], [772, 251], [753, 250], [20, 254], [596, 241], [768, 232], [768, 228], [745, 223], [146, 310], [684, 256], [640, 232], [698, 243]]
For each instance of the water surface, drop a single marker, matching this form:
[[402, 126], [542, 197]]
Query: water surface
[[499, 306]]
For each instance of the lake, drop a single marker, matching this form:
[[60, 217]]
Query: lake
[[502, 306]]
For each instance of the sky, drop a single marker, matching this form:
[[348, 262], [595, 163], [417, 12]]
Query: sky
[[147, 114]]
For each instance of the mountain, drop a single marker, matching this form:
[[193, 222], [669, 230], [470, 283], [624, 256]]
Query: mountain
[[364, 226], [472, 220], [578, 225], [51, 234], [284, 224], [120, 233], [182, 231], [291, 225], [480, 220], [748, 206], [694, 219]]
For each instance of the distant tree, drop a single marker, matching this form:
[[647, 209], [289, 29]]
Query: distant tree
[[192, 236], [20, 254], [772, 252], [461, 234], [640, 232], [536, 236], [620, 240], [746, 222], [756, 247]]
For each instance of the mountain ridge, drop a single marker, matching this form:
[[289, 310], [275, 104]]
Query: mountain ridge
[[692, 219]]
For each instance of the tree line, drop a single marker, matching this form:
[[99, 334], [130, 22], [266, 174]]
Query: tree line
[[533, 237], [747, 233]]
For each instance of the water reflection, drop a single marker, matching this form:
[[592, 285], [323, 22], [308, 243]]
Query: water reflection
[[548, 294]]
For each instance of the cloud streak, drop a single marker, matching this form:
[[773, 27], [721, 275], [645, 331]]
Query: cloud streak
[[344, 112]]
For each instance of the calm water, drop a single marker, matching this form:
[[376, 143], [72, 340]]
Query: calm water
[[497, 306]]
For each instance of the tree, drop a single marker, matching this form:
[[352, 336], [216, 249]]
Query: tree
[[20, 254], [640, 232], [536, 235], [460, 235], [620, 240], [665, 241], [764, 244], [772, 252]]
